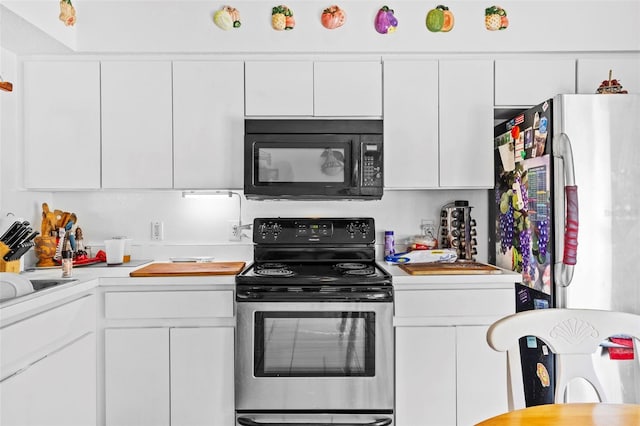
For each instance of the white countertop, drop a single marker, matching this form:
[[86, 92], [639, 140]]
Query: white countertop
[[405, 281], [87, 278]]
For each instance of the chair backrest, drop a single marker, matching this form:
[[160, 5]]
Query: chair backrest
[[574, 335]]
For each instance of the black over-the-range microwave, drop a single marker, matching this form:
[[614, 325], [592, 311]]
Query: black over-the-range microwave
[[312, 159]]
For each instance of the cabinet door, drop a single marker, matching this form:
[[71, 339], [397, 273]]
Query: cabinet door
[[202, 388], [592, 72], [279, 88], [136, 125], [411, 124], [425, 376], [347, 88], [58, 390], [62, 124], [137, 377], [466, 124], [529, 82], [481, 376], [208, 124]]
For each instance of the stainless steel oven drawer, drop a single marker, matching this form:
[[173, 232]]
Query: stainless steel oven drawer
[[302, 419]]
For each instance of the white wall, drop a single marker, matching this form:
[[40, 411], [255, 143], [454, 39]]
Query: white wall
[[535, 26], [200, 226]]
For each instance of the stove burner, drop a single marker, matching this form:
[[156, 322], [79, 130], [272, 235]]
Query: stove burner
[[271, 265], [275, 272], [351, 266], [360, 272]]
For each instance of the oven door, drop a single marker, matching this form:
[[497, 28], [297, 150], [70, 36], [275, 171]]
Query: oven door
[[314, 356]]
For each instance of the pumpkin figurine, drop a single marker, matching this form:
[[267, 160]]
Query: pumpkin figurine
[[282, 18], [385, 22], [333, 17], [440, 19], [226, 18]]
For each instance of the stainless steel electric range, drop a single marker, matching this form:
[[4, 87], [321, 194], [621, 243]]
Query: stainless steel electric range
[[314, 326]]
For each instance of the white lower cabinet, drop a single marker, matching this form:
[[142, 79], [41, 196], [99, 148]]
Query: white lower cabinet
[[48, 366], [168, 358], [425, 376], [202, 376], [57, 390], [446, 373], [169, 376]]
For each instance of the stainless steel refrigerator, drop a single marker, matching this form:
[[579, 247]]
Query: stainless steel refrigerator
[[565, 212]]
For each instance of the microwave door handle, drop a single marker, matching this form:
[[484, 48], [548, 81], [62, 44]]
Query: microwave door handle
[[355, 175], [245, 421]]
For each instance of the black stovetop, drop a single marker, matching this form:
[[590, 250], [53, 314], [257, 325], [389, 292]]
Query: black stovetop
[[355, 273]]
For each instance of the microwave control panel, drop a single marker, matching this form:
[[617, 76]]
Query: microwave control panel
[[371, 164]]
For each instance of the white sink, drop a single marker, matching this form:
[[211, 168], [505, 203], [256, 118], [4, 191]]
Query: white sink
[[13, 285]]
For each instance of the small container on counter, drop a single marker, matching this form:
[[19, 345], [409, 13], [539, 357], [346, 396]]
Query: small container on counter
[[67, 263], [389, 243]]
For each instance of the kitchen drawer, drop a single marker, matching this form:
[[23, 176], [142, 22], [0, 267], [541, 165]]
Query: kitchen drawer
[[169, 304], [34, 337], [434, 303]]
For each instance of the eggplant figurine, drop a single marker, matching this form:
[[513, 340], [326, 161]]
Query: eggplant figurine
[[385, 22]]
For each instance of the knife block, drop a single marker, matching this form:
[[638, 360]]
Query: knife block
[[12, 266]]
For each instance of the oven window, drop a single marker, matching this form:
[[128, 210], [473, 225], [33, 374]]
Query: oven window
[[314, 344], [301, 164]]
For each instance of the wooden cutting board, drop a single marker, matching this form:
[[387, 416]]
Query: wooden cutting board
[[455, 268], [188, 269]]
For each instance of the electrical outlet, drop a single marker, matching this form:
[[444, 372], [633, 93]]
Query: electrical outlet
[[157, 230], [235, 232], [427, 227]]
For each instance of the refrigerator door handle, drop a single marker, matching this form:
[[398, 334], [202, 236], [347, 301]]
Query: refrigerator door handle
[[564, 269]]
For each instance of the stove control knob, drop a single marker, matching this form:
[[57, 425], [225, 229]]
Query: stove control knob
[[351, 228], [276, 228], [364, 228]]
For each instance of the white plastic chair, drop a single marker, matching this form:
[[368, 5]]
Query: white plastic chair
[[574, 335]]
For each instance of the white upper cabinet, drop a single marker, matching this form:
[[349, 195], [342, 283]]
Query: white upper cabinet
[[279, 88], [347, 88], [307, 88], [592, 72], [438, 124], [411, 124], [62, 124], [136, 124], [208, 124], [527, 82], [466, 123]]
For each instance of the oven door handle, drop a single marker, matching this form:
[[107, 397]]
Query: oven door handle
[[245, 421]]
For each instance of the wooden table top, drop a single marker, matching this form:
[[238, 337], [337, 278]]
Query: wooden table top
[[583, 414]]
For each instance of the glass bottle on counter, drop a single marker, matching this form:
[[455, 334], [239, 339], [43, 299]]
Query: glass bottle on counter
[[67, 261]]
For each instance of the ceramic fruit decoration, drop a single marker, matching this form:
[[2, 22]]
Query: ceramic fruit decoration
[[440, 19], [226, 18], [333, 17], [67, 13], [282, 18], [495, 18], [386, 22]]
